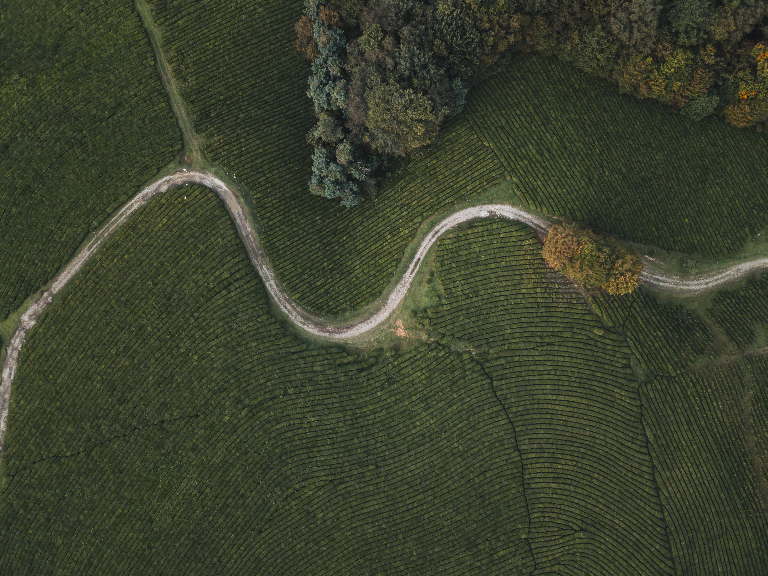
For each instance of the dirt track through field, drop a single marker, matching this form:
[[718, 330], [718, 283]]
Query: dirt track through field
[[326, 328]]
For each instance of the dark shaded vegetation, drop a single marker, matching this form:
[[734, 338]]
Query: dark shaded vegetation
[[384, 77], [386, 73], [581, 150], [703, 390]]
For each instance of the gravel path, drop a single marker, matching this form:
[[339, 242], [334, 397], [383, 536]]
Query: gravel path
[[317, 326]]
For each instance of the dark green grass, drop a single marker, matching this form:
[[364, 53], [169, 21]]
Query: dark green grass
[[579, 149], [163, 422], [246, 88], [567, 385], [84, 122]]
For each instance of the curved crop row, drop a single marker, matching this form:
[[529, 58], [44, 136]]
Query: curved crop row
[[743, 313], [580, 149], [704, 408], [567, 385], [162, 421], [246, 87], [84, 121], [665, 338]]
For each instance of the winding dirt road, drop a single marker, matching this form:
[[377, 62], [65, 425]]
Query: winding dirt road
[[325, 328]]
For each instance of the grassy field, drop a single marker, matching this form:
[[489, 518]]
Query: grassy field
[[84, 122], [163, 422], [578, 148]]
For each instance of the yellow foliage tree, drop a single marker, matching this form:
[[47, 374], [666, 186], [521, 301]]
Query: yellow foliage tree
[[591, 260]]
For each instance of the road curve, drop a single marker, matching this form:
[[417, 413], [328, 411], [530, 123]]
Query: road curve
[[315, 325]]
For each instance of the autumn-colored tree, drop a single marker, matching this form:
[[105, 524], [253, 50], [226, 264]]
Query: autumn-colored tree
[[591, 260], [328, 16], [750, 89], [305, 39]]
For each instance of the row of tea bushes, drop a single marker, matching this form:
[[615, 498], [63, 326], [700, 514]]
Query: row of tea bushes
[[84, 122], [162, 421], [567, 385], [665, 338], [580, 149], [707, 480]]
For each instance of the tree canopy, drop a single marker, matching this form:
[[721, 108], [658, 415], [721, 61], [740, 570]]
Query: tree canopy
[[591, 260]]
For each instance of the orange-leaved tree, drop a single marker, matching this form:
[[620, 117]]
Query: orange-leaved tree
[[591, 260]]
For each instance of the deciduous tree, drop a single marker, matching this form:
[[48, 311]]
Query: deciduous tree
[[591, 260]]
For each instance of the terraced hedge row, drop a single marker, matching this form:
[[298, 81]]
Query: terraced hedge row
[[743, 314], [246, 87], [163, 422], [580, 149], [704, 410], [84, 122], [567, 385]]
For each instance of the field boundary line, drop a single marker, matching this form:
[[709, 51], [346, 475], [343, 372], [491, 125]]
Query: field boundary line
[[192, 142], [325, 328]]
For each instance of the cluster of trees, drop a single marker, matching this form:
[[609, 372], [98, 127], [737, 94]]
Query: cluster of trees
[[386, 73], [591, 260], [698, 56]]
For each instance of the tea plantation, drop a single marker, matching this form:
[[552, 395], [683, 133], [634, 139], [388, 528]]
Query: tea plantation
[[644, 173], [84, 122], [246, 88], [193, 434], [165, 421], [578, 148]]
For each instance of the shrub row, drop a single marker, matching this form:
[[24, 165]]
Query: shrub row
[[743, 313]]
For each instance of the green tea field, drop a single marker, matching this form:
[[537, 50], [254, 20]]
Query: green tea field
[[641, 171], [165, 411], [84, 122]]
